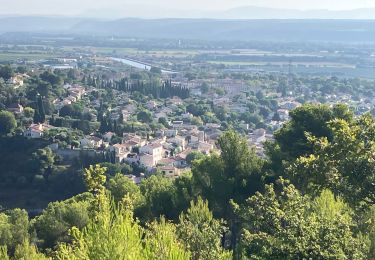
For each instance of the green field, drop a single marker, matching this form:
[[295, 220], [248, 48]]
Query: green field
[[132, 51], [284, 63], [101, 50], [13, 56]]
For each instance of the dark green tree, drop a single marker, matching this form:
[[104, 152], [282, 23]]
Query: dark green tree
[[144, 116], [234, 175], [195, 155], [159, 194], [291, 140], [40, 114], [7, 122], [6, 72], [344, 163]]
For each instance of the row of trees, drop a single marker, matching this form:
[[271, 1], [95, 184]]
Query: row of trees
[[151, 86], [165, 90]]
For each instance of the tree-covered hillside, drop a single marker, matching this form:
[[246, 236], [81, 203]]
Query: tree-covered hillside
[[311, 198]]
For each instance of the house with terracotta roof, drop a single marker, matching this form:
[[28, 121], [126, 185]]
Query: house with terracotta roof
[[36, 131]]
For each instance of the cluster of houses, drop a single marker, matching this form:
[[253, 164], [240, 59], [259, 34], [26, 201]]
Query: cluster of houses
[[257, 138], [75, 93], [166, 152]]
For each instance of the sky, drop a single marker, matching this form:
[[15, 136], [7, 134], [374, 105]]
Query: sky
[[96, 8]]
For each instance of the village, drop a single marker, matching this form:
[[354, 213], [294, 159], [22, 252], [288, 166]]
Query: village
[[118, 115], [165, 150]]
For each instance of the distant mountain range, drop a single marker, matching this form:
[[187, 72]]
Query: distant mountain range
[[154, 11], [203, 29], [38, 24], [253, 12], [243, 12]]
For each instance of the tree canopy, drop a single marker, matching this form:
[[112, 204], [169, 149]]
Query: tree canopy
[[7, 122], [281, 223]]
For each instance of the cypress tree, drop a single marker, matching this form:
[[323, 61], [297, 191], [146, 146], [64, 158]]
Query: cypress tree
[[42, 113]]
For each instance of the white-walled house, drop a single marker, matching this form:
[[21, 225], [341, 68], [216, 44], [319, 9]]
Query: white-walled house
[[147, 160], [170, 132], [205, 147], [150, 154], [133, 140], [178, 141], [187, 116], [121, 152], [17, 80], [170, 171], [151, 104], [91, 142], [36, 131], [152, 148], [135, 179]]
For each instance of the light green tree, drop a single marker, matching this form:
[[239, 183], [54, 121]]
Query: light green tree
[[53, 225], [4, 253], [14, 226], [283, 224], [95, 178], [29, 112], [161, 242], [121, 186], [201, 233], [27, 251], [194, 155], [113, 234]]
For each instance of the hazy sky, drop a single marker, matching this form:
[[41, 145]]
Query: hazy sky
[[93, 7]]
